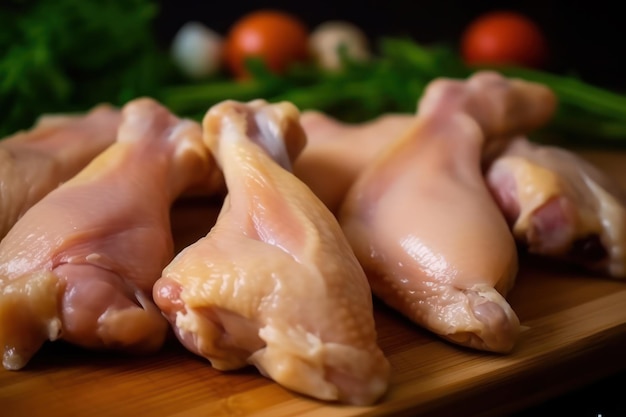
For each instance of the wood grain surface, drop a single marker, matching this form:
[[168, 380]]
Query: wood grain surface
[[574, 333]]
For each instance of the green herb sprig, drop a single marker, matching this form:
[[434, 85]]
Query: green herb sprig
[[393, 82]]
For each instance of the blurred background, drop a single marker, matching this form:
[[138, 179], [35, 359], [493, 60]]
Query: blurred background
[[68, 55], [586, 38]]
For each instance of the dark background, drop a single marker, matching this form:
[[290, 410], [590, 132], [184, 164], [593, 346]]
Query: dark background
[[585, 38]]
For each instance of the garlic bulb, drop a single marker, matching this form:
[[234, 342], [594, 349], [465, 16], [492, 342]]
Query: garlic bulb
[[326, 40], [197, 50]]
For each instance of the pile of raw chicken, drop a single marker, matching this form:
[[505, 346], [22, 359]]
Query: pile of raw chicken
[[426, 212]]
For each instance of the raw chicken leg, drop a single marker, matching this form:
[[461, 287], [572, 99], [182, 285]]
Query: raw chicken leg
[[336, 152], [81, 263], [423, 224], [274, 283], [34, 162], [561, 206]]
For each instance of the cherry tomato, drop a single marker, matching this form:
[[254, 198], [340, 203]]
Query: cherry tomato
[[504, 38], [276, 37]]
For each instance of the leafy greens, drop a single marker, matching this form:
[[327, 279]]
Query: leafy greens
[[67, 55]]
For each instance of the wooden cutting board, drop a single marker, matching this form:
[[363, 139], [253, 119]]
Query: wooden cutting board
[[574, 333]]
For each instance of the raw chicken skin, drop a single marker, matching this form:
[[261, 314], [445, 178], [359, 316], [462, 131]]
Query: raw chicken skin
[[561, 206], [34, 162], [81, 263], [510, 107], [423, 224], [336, 152], [274, 283]]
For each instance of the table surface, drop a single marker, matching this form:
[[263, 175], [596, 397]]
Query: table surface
[[574, 335]]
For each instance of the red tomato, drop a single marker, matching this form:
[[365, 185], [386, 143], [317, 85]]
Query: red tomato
[[277, 37], [504, 38]]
